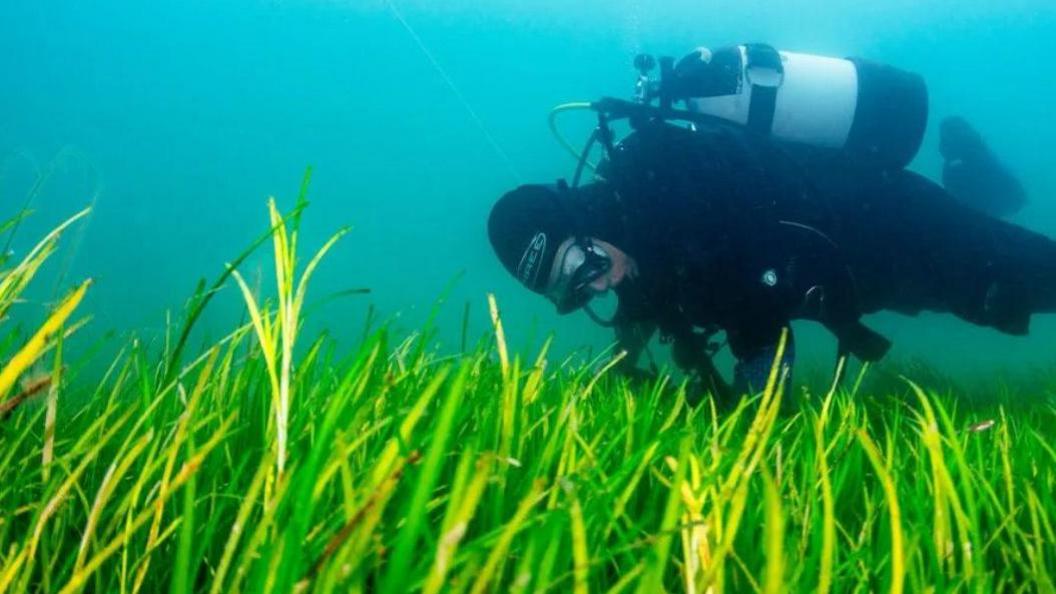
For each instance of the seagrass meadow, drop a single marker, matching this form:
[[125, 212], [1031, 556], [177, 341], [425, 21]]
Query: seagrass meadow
[[268, 462]]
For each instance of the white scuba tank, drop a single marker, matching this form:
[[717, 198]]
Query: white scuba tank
[[867, 109]]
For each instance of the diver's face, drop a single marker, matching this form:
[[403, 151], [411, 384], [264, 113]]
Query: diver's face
[[570, 257], [622, 267]]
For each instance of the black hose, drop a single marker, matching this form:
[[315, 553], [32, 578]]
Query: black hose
[[583, 158]]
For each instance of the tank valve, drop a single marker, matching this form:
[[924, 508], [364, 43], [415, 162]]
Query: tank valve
[[643, 89]]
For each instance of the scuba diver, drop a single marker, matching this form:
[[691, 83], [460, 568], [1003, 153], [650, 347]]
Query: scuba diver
[[786, 197]]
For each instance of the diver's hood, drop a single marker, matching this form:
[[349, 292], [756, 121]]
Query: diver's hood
[[599, 212], [528, 224]]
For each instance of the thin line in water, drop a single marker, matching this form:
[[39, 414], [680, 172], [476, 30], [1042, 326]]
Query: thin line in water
[[454, 89]]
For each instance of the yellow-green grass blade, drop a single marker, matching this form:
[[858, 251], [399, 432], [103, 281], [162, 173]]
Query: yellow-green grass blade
[[29, 353], [189, 469], [828, 513], [247, 507], [110, 481], [657, 557], [395, 580], [461, 511], [898, 571], [580, 554], [774, 575], [509, 531]]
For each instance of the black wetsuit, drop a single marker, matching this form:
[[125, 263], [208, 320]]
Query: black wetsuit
[[734, 232]]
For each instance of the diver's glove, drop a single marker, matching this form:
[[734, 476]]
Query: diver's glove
[[690, 352]]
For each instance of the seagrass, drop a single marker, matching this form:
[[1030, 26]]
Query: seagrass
[[252, 465]]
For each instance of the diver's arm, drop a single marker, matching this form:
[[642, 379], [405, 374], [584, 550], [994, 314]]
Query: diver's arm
[[712, 381]]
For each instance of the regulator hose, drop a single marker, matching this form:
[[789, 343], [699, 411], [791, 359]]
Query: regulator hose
[[568, 146]]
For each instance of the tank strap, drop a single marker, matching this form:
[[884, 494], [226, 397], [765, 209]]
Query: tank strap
[[765, 73]]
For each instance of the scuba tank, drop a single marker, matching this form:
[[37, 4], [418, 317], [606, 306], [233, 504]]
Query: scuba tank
[[868, 110], [871, 112]]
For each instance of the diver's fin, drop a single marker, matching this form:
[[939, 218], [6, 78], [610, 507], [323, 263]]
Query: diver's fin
[[973, 175], [1006, 308]]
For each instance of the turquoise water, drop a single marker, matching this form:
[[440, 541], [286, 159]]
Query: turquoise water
[[179, 119]]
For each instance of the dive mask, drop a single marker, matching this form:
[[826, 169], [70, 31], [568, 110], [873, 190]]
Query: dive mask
[[581, 264]]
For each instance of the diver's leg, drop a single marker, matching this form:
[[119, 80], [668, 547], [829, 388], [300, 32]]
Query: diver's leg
[[751, 373], [973, 175], [984, 270]]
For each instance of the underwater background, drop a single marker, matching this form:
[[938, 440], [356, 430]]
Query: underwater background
[[178, 119]]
